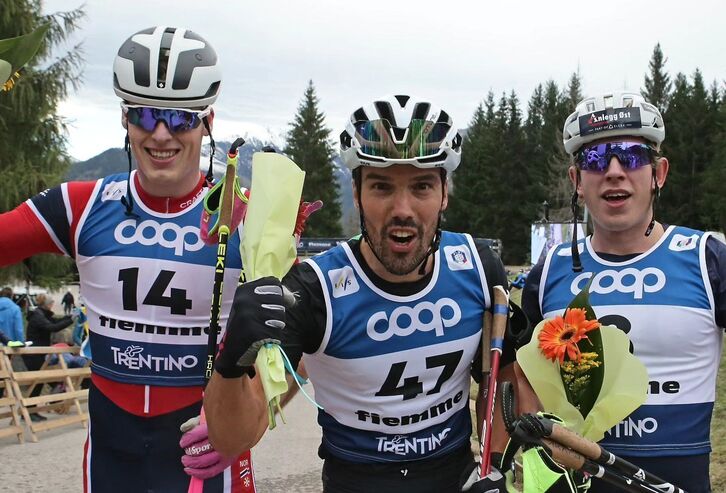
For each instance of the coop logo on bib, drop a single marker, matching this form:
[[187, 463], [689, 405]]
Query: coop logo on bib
[[405, 320], [169, 235], [630, 280]]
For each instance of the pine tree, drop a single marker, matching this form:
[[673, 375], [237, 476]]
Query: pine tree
[[713, 201], [308, 144], [574, 90], [463, 203], [32, 135], [657, 85]]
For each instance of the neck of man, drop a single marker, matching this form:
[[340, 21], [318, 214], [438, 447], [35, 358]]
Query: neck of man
[[164, 200], [180, 187], [380, 270], [626, 242]]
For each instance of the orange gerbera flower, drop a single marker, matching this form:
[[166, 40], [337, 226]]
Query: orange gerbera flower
[[559, 336]]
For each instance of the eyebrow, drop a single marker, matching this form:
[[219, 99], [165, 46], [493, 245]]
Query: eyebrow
[[381, 177]]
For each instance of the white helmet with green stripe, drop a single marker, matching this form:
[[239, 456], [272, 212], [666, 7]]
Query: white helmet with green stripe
[[400, 129]]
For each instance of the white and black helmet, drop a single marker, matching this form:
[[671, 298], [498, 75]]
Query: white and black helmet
[[167, 67], [400, 129], [611, 115]]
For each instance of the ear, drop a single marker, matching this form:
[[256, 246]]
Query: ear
[[355, 195], [572, 173], [445, 199], [210, 120], [661, 171], [124, 120]]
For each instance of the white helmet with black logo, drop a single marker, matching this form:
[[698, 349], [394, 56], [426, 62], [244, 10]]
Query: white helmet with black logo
[[167, 67], [400, 129], [612, 115]]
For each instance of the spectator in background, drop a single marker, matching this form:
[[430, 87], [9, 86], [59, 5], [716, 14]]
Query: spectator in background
[[41, 324], [11, 321], [68, 303]]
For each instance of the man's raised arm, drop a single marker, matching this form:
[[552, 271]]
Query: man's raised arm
[[234, 401]]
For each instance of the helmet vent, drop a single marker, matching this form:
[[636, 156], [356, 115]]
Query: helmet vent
[[443, 117], [359, 115], [164, 53], [385, 112], [402, 100], [345, 140], [420, 111]]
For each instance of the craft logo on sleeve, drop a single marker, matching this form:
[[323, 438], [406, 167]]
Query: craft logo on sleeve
[[458, 257], [343, 281], [609, 119]]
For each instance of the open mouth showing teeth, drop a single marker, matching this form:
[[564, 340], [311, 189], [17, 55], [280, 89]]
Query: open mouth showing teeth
[[612, 197], [161, 154], [401, 237]]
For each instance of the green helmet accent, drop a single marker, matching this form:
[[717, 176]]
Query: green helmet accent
[[16, 52]]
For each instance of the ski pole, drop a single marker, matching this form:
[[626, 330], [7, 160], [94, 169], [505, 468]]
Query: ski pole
[[226, 206], [500, 316]]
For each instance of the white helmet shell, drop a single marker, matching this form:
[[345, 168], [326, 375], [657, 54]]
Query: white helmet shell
[[403, 130], [613, 114], [167, 67]]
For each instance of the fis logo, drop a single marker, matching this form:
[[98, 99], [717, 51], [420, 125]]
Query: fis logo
[[629, 280], [681, 243], [444, 313], [344, 281], [113, 190], [458, 257]]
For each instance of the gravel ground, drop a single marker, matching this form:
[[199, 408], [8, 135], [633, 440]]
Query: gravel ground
[[285, 460]]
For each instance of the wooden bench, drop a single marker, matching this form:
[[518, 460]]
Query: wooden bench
[[9, 401], [68, 401]]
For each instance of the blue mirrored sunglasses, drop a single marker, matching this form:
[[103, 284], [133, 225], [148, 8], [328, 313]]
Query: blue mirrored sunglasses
[[176, 119], [632, 155]]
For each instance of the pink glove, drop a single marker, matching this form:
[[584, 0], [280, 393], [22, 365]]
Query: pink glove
[[200, 459]]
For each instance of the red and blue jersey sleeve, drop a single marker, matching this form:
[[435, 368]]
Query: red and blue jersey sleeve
[[45, 223]]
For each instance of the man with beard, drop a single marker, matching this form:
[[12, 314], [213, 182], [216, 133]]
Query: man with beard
[[390, 322]]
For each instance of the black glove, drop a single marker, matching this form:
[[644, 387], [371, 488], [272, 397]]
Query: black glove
[[494, 482], [257, 317]]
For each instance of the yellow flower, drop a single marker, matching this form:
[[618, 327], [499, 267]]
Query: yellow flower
[[559, 336]]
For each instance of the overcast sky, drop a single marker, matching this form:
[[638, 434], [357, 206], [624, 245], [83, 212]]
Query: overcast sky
[[452, 52]]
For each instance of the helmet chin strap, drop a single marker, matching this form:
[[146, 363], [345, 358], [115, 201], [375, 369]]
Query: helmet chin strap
[[575, 207], [210, 171], [656, 196], [128, 200]]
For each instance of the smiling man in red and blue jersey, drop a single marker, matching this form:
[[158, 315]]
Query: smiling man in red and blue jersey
[[146, 276]]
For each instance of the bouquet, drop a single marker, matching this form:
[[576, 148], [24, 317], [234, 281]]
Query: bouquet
[[583, 371]]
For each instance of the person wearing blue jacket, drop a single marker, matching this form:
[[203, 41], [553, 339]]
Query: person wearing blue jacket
[[11, 320]]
